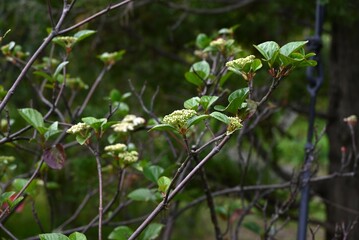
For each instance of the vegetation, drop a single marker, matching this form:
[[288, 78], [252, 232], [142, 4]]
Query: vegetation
[[147, 120]]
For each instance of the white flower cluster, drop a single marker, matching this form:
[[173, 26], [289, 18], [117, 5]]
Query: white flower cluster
[[78, 128], [234, 124], [128, 157], [119, 147], [219, 42], [240, 62], [129, 123], [179, 118]]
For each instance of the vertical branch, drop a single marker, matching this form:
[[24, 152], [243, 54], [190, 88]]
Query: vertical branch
[[95, 152], [210, 201]]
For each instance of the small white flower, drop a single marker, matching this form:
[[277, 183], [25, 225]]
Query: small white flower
[[179, 118], [119, 147], [234, 124], [77, 128]]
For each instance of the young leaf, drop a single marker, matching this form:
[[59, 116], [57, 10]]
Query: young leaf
[[121, 233], [59, 69], [291, 47], [202, 41], [196, 119], [163, 184], [52, 130], [207, 101], [202, 69], [220, 117], [151, 232], [153, 172], [34, 118], [82, 139], [194, 79], [81, 35], [94, 122], [77, 236], [55, 156], [163, 127], [142, 194], [53, 236], [192, 103], [269, 51]]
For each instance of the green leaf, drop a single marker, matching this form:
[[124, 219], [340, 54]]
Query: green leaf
[[163, 127], [163, 184], [153, 172], [256, 65], [19, 183], [52, 130], [202, 41], [77, 236], [94, 122], [235, 101], [220, 117], [207, 101], [82, 139], [81, 35], [239, 93], [5, 197], [269, 51], [196, 119], [291, 47], [34, 118], [44, 75], [151, 232], [142, 194], [194, 79], [192, 103], [252, 226], [53, 236], [115, 95], [121, 233], [224, 78], [59, 69], [202, 69]]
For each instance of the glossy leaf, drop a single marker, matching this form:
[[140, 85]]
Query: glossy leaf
[[194, 79], [94, 122], [196, 119], [192, 103], [121, 233], [201, 69], [52, 130], [82, 139], [163, 127], [153, 172], [163, 184], [220, 117], [291, 47], [59, 68], [207, 101], [81, 35], [34, 118], [269, 51]]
